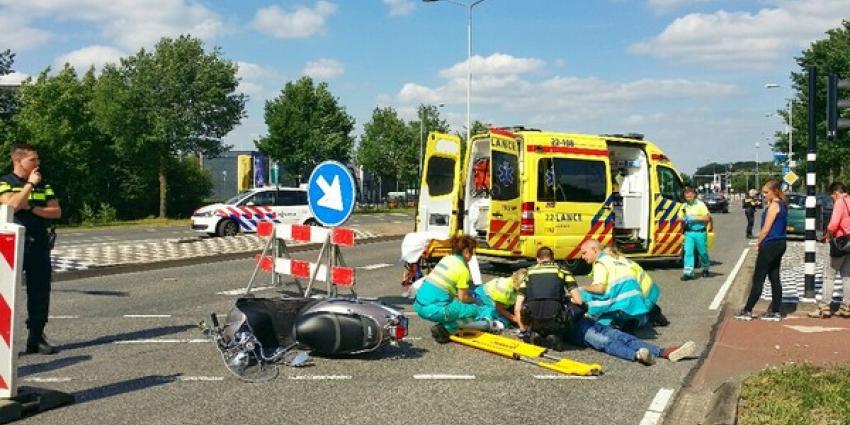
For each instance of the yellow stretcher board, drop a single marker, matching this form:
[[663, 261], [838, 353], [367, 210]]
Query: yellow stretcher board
[[529, 353]]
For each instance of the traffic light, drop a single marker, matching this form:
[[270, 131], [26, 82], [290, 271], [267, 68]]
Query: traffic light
[[834, 106]]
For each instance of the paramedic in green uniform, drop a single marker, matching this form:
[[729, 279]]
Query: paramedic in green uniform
[[696, 217], [445, 296]]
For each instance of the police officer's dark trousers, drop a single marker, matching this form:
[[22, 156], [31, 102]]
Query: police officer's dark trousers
[[750, 213], [38, 271]]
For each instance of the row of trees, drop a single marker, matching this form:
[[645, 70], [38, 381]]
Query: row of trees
[[128, 139]]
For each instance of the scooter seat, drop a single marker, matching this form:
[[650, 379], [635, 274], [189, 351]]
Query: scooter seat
[[332, 333]]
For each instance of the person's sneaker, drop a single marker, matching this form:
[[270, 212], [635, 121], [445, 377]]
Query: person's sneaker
[[676, 353], [40, 346], [537, 339], [554, 342], [744, 314], [706, 273], [496, 327], [644, 357], [440, 334], [771, 316], [685, 278]]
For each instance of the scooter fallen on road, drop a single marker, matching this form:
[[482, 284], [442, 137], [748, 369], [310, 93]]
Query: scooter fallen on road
[[260, 333]]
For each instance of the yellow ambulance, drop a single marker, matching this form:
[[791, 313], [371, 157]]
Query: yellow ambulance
[[516, 190]]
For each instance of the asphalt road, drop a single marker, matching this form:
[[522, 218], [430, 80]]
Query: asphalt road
[[155, 368], [82, 236]]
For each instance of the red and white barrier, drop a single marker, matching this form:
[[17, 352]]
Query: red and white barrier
[[11, 266], [330, 272]]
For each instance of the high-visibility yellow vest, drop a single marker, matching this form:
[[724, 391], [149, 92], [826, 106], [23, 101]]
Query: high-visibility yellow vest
[[501, 290], [451, 274]]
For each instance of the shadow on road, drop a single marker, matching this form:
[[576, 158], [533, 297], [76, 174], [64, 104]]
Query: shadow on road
[[96, 292], [143, 334], [51, 365], [123, 387]]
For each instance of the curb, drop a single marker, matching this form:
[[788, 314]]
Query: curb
[[723, 409], [191, 261]]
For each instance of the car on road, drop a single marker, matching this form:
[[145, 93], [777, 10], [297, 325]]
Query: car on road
[[797, 213], [243, 211], [716, 202]]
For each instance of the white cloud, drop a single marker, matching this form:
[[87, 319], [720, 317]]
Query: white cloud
[[324, 69], [128, 23], [17, 35], [13, 79], [743, 39], [400, 7], [85, 58], [665, 5], [257, 81], [301, 22], [495, 64]]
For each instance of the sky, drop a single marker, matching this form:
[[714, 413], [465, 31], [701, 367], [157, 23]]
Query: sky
[[689, 74]]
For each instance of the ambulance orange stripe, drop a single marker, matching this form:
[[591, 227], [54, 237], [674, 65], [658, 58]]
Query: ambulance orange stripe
[[496, 225], [501, 132], [566, 149], [505, 235]]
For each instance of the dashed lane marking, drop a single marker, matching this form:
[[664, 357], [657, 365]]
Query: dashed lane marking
[[442, 376], [200, 378], [240, 291], [63, 317], [146, 316], [161, 341], [320, 377], [42, 380], [375, 266], [656, 407], [721, 293]]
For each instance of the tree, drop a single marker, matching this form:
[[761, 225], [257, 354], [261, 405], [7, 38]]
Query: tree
[[8, 102], [388, 147], [829, 55], [306, 125], [55, 113], [174, 101]]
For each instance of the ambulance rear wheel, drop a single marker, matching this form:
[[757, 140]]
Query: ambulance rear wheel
[[576, 267], [228, 228]]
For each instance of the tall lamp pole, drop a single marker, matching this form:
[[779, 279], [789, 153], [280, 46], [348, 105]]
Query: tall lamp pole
[[758, 187], [789, 129], [468, 6]]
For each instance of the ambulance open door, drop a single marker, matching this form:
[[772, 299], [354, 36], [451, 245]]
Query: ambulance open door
[[440, 186], [503, 231]]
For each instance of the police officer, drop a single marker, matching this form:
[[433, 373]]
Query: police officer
[[35, 206], [696, 217], [751, 203], [542, 306]]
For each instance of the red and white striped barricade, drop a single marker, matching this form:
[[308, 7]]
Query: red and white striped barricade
[[329, 267], [11, 267]]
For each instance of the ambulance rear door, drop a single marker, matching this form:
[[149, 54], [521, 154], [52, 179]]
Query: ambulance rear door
[[503, 231], [440, 186]]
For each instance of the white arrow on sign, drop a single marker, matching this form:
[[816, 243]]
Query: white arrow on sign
[[332, 195]]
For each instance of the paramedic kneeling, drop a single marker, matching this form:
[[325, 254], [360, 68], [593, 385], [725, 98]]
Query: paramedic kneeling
[[445, 297]]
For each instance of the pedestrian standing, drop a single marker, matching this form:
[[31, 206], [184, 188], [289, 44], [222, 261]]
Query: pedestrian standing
[[770, 246], [751, 203], [837, 232], [696, 218], [35, 207]]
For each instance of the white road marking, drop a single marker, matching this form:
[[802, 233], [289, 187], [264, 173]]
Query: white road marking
[[200, 378], [375, 266], [146, 316], [63, 317], [559, 377], [813, 329], [721, 293], [240, 291], [161, 341], [440, 376], [320, 377], [657, 406], [45, 380]]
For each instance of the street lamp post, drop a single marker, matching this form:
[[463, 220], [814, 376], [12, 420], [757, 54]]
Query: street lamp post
[[790, 126], [468, 6], [757, 167], [421, 137]]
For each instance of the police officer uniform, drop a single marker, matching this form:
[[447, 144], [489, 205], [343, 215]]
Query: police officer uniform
[[37, 266], [750, 205], [546, 308]]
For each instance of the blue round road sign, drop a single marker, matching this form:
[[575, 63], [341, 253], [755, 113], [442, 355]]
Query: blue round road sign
[[331, 193]]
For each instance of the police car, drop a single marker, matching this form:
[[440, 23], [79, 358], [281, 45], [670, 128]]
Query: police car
[[243, 211]]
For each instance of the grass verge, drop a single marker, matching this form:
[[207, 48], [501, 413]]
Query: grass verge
[[799, 394], [144, 222]]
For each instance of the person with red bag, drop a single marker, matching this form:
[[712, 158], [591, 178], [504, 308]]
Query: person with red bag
[[838, 234]]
